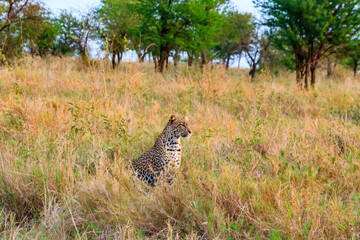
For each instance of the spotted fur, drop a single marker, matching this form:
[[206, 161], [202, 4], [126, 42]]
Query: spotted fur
[[165, 156]]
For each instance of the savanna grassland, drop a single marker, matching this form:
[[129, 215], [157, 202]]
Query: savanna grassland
[[266, 160]]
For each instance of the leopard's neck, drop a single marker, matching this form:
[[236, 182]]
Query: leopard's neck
[[171, 146], [167, 140], [173, 152]]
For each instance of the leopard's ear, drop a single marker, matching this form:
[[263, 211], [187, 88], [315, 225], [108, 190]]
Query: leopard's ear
[[172, 119]]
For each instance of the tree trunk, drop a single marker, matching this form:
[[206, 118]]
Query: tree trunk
[[119, 57], [299, 70], [190, 60], [307, 75], [239, 60], [227, 62], [203, 59], [355, 68], [313, 74], [252, 70], [164, 54], [161, 64], [329, 67], [155, 62], [176, 58], [32, 52], [167, 62], [113, 60], [141, 57], [298, 78]]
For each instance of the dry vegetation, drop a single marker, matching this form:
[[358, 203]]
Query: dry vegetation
[[266, 160]]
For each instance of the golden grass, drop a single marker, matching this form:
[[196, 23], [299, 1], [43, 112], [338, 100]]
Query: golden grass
[[266, 160]]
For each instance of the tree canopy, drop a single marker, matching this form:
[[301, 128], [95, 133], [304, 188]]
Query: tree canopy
[[312, 29]]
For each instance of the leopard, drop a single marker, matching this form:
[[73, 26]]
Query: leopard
[[164, 157]]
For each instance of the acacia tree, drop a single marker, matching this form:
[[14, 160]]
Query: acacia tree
[[118, 20], [74, 33], [15, 16], [175, 25], [85, 31], [210, 17], [161, 23], [46, 39], [67, 26], [234, 36], [256, 49], [313, 29], [14, 11], [39, 35], [199, 37], [273, 59], [351, 54]]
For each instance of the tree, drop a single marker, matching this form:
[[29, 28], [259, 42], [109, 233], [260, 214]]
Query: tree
[[351, 54], [84, 32], [255, 51], [14, 11], [67, 26], [210, 16], [273, 59], [313, 29], [161, 23], [74, 33], [178, 25], [234, 36], [46, 39], [15, 16], [118, 20], [39, 35]]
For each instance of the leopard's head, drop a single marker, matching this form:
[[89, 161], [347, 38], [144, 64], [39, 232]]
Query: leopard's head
[[179, 127]]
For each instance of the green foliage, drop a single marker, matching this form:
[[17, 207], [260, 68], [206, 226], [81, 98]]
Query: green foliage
[[200, 38], [39, 36], [172, 25], [234, 35], [13, 12], [257, 48], [274, 235], [17, 17], [29, 28], [117, 22], [312, 29], [47, 38], [82, 124], [351, 54], [68, 27], [158, 28], [161, 24], [117, 127]]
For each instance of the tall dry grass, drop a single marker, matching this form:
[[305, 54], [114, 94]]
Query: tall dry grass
[[266, 160]]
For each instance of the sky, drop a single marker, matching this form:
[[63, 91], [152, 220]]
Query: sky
[[56, 5]]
